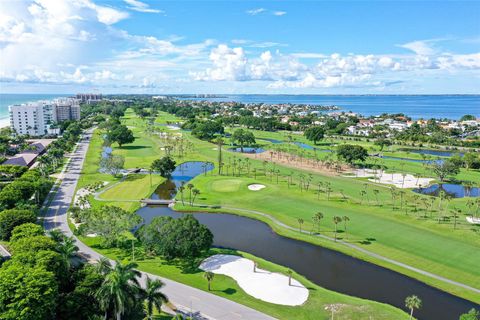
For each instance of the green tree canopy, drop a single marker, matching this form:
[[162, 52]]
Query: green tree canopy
[[26, 230], [444, 169], [243, 138], [9, 219], [27, 293], [109, 222], [472, 314], [165, 166], [32, 244], [351, 153], [207, 130], [121, 135], [176, 238], [467, 117], [314, 134], [382, 143], [112, 164]]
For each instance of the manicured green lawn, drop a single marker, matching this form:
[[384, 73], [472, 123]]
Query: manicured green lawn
[[134, 187], [314, 308]]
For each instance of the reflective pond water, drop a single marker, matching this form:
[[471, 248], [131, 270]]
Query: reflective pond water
[[450, 189], [437, 153], [309, 147], [412, 160], [182, 174], [247, 150], [274, 141], [327, 268], [106, 151]]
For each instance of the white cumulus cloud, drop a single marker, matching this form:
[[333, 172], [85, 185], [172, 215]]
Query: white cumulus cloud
[[139, 6]]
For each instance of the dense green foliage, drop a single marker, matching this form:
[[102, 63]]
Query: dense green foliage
[[120, 134], [243, 138], [473, 314], [351, 153], [444, 169], [183, 238], [9, 219], [112, 164], [110, 222], [164, 166], [206, 130], [314, 134]]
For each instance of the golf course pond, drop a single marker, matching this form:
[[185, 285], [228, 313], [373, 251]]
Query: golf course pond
[[452, 190], [327, 268], [247, 150], [431, 152]]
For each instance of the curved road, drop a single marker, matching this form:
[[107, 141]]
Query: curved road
[[201, 304]]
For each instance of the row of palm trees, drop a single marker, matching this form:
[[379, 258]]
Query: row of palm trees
[[317, 218], [193, 192]]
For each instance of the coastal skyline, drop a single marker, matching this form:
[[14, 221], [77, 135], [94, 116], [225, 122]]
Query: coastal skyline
[[239, 47]]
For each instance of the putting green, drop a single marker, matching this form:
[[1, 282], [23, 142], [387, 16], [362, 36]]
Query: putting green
[[227, 185]]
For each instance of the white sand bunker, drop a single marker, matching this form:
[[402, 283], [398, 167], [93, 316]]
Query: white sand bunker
[[173, 127], [397, 179], [473, 220], [256, 187], [264, 285]]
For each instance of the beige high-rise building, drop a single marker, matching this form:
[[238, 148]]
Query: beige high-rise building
[[89, 97], [67, 109]]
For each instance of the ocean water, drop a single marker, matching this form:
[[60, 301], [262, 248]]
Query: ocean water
[[415, 106], [7, 99]]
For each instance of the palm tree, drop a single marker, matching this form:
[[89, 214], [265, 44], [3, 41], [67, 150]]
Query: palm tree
[[376, 192], [119, 289], [182, 189], [362, 194], [209, 277], [153, 296], [103, 266], [57, 235], [345, 220], [413, 302], [336, 221], [190, 187], [289, 272], [67, 250], [196, 192], [316, 220], [300, 222]]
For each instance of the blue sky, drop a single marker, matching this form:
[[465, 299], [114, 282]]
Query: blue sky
[[323, 47]]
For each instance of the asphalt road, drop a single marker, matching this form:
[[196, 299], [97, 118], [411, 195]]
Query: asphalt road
[[201, 304]]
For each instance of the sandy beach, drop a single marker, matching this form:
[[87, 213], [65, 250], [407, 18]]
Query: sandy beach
[[4, 122]]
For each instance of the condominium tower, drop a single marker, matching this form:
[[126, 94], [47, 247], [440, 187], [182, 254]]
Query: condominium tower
[[34, 118]]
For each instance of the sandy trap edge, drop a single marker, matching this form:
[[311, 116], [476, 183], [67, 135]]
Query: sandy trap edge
[[262, 284], [256, 187]]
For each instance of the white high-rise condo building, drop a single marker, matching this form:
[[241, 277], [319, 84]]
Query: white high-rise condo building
[[32, 118]]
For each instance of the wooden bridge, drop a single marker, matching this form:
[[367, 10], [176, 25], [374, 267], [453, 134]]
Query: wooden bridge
[[157, 202]]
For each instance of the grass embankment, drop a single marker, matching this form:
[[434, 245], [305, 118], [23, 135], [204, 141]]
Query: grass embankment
[[405, 237], [314, 308]]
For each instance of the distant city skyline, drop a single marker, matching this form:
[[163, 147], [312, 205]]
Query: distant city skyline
[[240, 47]]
